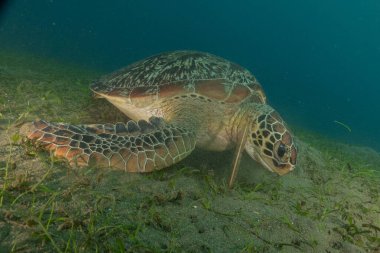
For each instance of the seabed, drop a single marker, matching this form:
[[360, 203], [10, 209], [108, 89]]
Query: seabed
[[330, 203]]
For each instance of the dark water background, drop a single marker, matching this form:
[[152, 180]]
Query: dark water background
[[318, 61]]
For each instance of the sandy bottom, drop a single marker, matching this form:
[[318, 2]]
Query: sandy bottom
[[330, 203]]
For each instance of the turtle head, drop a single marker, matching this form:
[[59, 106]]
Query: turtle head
[[270, 143]]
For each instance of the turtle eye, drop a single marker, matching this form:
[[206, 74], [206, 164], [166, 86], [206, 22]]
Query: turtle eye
[[281, 150]]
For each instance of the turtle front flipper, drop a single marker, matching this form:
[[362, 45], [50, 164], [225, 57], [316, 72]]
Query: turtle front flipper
[[134, 147]]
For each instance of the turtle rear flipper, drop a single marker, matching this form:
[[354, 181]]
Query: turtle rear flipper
[[134, 147]]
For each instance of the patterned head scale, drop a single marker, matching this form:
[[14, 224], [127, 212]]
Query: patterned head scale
[[271, 143]]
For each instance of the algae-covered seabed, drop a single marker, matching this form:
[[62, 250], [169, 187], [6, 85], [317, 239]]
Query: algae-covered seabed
[[330, 203]]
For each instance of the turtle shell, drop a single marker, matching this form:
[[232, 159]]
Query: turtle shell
[[174, 73]]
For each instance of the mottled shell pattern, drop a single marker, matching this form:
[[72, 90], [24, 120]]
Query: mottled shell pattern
[[181, 72]]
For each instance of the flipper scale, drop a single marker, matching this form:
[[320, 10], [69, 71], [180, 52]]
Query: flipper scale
[[142, 148]]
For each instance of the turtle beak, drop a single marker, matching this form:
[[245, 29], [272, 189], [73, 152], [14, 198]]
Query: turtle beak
[[268, 164], [284, 169]]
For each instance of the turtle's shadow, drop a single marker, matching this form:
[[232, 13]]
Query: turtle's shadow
[[101, 111], [220, 164]]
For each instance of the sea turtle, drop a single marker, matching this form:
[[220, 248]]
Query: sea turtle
[[176, 101]]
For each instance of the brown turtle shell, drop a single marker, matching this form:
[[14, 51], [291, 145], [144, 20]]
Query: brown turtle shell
[[181, 72]]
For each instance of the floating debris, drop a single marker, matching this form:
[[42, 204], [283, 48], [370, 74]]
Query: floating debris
[[343, 125]]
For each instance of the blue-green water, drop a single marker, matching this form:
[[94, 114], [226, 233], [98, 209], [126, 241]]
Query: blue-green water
[[318, 61]]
